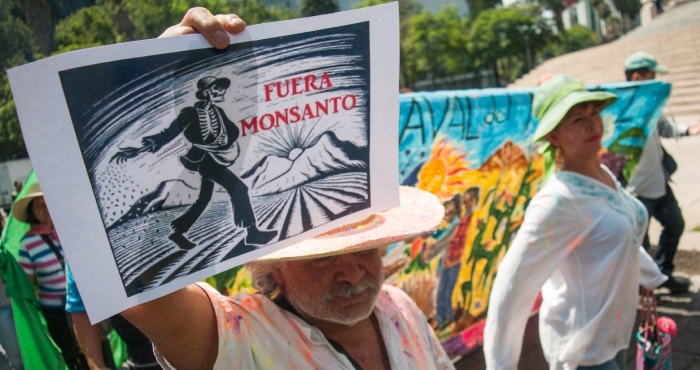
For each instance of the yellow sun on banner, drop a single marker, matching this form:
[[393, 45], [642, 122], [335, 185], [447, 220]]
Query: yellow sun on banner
[[447, 171]]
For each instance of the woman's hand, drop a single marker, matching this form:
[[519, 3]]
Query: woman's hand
[[213, 27]]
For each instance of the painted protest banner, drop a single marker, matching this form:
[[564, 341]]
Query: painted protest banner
[[472, 149], [167, 161]]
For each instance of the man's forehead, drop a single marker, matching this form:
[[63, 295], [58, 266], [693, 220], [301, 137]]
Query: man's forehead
[[368, 252]]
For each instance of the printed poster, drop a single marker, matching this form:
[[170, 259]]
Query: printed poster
[[166, 161]]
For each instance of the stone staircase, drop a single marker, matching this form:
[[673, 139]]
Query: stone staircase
[[673, 38]]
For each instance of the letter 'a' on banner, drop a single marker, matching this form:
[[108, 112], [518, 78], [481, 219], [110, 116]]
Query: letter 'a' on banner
[[166, 161]]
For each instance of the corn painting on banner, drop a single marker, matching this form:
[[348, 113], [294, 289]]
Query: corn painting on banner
[[473, 150]]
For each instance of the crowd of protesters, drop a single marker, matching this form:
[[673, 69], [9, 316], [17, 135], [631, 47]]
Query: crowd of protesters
[[322, 303]]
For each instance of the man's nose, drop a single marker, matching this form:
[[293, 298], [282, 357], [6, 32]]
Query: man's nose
[[348, 270]]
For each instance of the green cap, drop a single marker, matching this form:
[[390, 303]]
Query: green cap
[[552, 101], [641, 59]]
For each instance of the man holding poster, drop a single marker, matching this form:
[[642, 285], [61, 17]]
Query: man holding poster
[[322, 302]]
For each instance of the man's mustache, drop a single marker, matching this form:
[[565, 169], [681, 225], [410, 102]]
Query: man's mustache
[[349, 290]]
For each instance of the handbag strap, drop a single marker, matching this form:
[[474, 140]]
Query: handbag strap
[[55, 250], [649, 315]]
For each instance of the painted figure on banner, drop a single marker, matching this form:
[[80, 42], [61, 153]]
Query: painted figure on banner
[[452, 259], [214, 148]]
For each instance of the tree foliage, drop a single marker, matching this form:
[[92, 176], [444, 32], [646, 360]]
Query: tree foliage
[[89, 27], [478, 6], [602, 8], [576, 38], [629, 8], [555, 6], [436, 44], [16, 42], [501, 39], [407, 9], [309, 8]]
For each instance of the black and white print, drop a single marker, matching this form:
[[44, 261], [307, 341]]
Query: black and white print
[[199, 156]]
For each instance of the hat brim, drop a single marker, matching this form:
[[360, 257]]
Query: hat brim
[[419, 212], [660, 69], [552, 118], [19, 208]]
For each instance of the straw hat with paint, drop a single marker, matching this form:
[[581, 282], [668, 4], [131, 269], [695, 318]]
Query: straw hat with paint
[[552, 101], [419, 212], [19, 208]]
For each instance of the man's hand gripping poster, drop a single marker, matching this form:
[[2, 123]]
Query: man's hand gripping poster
[[166, 161]]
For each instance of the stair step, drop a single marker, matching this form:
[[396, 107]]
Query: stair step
[[682, 110]]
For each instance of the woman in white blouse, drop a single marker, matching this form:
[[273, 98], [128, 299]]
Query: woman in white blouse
[[579, 244]]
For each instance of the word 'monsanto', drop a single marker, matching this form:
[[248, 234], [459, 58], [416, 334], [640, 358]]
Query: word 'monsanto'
[[291, 115]]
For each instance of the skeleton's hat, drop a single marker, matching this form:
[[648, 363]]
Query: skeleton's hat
[[208, 81], [419, 212]]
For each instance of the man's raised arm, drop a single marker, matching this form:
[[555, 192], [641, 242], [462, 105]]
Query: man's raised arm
[[182, 326]]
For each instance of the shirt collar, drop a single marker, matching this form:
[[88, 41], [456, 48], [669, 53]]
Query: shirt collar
[[38, 229]]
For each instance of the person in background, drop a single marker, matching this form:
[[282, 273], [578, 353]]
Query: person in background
[[17, 188], [139, 349], [580, 244], [12, 358], [3, 217], [41, 257], [650, 181]]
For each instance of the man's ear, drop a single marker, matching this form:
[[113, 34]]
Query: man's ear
[[553, 138], [277, 276]]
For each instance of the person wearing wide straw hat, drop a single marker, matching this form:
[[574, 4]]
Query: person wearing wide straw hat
[[321, 305], [41, 257], [650, 180], [579, 243]]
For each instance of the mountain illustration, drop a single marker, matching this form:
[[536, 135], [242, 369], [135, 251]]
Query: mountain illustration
[[325, 157], [507, 155], [169, 194]]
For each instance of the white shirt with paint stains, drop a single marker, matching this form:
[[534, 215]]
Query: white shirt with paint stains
[[255, 333]]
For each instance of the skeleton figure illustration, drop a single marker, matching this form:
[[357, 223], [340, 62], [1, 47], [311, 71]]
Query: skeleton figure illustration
[[214, 148]]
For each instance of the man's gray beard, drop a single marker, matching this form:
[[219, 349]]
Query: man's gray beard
[[315, 305]]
